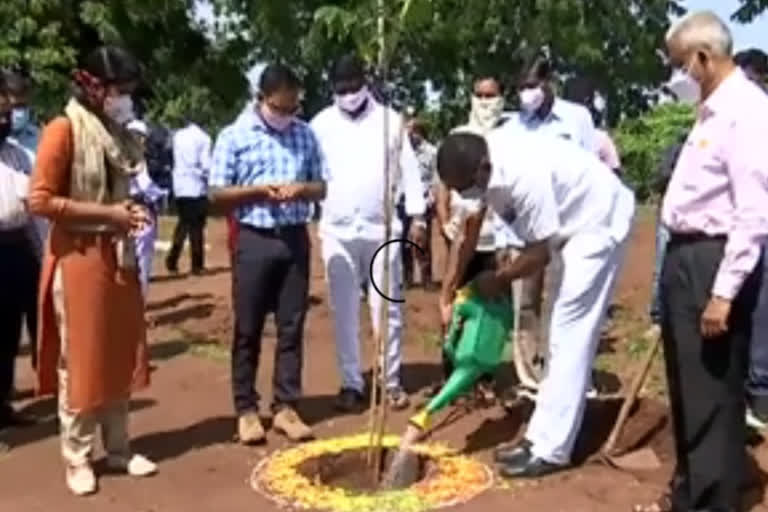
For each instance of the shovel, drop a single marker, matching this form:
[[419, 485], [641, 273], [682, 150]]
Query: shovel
[[644, 459]]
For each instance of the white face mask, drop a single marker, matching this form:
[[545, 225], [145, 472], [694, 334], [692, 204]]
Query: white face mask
[[352, 101], [486, 112], [531, 99], [120, 108], [685, 87]]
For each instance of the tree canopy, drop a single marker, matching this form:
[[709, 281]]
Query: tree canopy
[[197, 69]]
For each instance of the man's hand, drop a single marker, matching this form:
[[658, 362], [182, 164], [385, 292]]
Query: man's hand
[[290, 192], [490, 286], [446, 313], [714, 320]]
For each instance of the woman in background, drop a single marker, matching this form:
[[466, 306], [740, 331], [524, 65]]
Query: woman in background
[[92, 334]]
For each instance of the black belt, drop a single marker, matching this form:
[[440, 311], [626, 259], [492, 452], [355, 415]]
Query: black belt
[[696, 236], [275, 231]]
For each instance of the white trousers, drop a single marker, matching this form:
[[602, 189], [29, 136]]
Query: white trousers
[[78, 429], [584, 277], [145, 251], [347, 269]]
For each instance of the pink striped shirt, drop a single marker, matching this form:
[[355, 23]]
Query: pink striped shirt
[[720, 183]]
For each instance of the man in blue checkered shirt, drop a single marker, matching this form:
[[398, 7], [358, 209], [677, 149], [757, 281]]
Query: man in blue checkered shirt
[[267, 166]]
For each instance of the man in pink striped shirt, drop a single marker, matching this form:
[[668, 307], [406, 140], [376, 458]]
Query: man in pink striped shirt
[[716, 208]]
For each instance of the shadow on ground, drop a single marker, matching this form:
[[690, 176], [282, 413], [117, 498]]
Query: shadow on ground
[[46, 421]]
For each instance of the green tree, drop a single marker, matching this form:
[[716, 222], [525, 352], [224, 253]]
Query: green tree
[[643, 140], [185, 72], [446, 41], [749, 10]]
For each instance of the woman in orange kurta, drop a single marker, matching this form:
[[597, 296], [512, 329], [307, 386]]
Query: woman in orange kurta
[[91, 336]]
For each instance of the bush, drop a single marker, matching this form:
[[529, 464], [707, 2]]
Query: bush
[[642, 141]]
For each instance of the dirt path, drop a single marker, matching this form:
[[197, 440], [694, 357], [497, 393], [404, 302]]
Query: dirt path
[[184, 421]]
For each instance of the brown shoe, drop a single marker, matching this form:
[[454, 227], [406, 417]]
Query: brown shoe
[[250, 430], [288, 423]]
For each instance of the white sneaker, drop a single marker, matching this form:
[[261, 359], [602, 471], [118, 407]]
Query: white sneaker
[[753, 421], [137, 465], [81, 480]]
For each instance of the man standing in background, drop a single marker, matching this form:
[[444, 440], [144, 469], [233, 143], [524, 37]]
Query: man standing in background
[[543, 112], [19, 264], [18, 144], [352, 225], [191, 165], [426, 154], [754, 64], [486, 114]]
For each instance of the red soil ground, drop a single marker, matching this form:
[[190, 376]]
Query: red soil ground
[[184, 421]]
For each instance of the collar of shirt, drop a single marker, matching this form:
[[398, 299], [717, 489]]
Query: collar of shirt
[[723, 96], [555, 113], [252, 119]]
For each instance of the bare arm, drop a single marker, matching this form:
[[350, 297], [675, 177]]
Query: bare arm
[[462, 249], [531, 259], [443, 206]]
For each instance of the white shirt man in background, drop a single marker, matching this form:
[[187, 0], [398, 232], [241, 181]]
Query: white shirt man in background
[[486, 114], [565, 205], [191, 167], [352, 225]]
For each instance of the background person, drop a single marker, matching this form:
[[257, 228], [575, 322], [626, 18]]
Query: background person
[[191, 167], [352, 225]]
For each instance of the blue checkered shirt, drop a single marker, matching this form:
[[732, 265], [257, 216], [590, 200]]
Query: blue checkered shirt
[[250, 153]]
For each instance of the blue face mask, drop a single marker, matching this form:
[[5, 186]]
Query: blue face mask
[[20, 118]]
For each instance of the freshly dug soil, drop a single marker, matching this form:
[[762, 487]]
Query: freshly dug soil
[[349, 470]]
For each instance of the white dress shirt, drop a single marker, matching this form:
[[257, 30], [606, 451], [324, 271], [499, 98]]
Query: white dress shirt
[[553, 189], [191, 162], [353, 148], [13, 193], [567, 120]]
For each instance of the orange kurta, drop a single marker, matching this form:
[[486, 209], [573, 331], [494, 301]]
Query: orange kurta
[[106, 355]]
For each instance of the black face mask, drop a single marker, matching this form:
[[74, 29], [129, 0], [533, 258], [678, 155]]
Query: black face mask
[[5, 127]]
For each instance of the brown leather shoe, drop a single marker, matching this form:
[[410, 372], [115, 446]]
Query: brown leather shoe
[[288, 423], [250, 430]]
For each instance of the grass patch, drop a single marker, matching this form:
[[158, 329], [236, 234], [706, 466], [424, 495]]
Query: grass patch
[[190, 343]]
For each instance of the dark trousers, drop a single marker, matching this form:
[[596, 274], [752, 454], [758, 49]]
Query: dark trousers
[[19, 274], [757, 383], [271, 274], [192, 216], [409, 253], [705, 377], [480, 262]]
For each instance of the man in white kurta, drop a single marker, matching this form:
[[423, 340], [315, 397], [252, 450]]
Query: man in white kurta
[[565, 205], [352, 225]]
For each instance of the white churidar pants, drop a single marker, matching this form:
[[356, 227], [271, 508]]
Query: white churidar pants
[[78, 429], [347, 269], [585, 273]]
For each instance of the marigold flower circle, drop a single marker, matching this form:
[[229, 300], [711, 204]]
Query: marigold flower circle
[[456, 480]]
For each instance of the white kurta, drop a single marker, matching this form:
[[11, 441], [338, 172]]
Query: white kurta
[[553, 189], [352, 226]]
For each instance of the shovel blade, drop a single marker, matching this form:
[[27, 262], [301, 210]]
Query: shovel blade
[[644, 459]]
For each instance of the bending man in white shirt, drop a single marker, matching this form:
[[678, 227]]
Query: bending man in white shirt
[[564, 204], [352, 222]]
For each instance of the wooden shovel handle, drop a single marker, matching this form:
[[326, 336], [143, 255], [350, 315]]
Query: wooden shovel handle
[[631, 397]]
